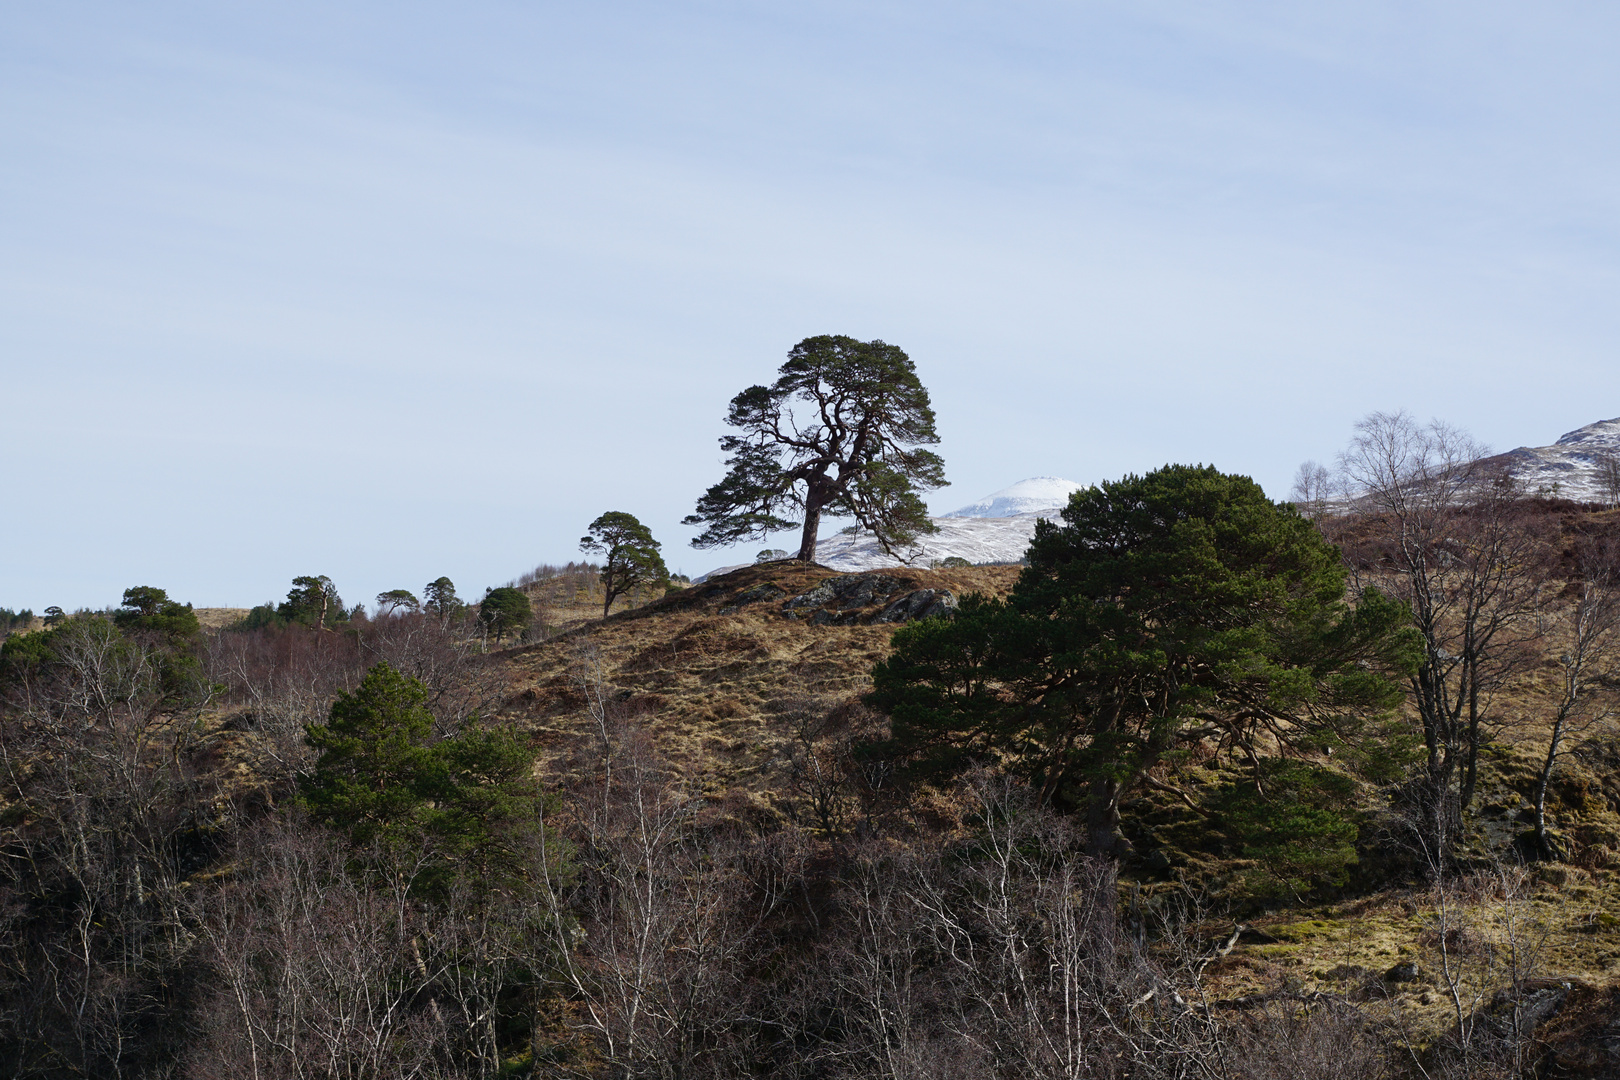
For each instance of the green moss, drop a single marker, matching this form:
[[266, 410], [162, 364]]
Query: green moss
[[1276, 952], [1302, 931]]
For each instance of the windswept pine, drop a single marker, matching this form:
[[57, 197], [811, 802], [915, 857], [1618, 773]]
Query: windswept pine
[[841, 431]]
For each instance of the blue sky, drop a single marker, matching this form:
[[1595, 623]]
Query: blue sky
[[392, 291]]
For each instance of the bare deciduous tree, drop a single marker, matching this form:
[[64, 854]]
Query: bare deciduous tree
[[97, 741], [1483, 948], [825, 781], [318, 969], [1435, 525], [1313, 489], [1606, 466], [1586, 666], [648, 924], [1006, 957]]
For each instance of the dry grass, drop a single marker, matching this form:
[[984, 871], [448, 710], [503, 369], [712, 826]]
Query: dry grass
[[217, 618], [714, 680]]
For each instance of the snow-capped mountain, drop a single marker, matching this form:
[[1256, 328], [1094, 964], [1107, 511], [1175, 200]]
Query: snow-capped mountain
[[1571, 463], [1038, 493], [997, 528]]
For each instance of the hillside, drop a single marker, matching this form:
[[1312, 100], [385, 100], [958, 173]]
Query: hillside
[[721, 673], [720, 833], [1578, 466], [736, 693]]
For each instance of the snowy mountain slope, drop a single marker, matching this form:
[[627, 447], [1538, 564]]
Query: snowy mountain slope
[[1570, 463], [976, 539], [997, 528], [1030, 496]]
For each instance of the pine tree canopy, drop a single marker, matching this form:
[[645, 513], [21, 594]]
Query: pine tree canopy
[[1164, 609], [632, 555], [840, 432]]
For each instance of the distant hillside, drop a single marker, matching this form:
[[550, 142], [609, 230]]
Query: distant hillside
[[1036, 495], [995, 529], [1570, 467]]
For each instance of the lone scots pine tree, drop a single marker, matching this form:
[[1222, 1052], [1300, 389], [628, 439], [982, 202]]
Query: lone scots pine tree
[[439, 598], [402, 600], [632, 555], [149, 608], [839, 432]]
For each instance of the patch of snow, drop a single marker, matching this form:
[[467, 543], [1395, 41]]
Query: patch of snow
[[1049, 493]]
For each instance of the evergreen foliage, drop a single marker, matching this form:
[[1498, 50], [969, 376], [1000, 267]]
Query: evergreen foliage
[[262, 617], [856, 449], [383, 776], [312, 601], [505, 611], [439, 598], [147, 608], [1296, 821], [397, 600], [1164, 608], [632, 558], [23, 656]]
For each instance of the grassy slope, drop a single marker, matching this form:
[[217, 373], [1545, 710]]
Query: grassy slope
[[719, 686], [716, 683]]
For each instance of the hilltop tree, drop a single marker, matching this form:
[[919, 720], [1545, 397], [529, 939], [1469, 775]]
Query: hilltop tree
[[439, 598], [311, 600], [505, 611], [852, 447], [149, 608], [397, 600], [632, 558], [1164, 609]]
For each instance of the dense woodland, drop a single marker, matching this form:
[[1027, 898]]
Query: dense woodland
[[1111, 819]]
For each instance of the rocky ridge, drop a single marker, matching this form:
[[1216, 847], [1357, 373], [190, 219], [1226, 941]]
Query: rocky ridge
[[1571, 467]]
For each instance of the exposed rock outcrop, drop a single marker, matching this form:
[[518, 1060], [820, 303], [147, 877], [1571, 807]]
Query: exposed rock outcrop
[[867, 598]]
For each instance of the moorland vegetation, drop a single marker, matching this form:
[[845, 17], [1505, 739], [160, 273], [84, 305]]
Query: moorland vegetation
[[1211, 786]]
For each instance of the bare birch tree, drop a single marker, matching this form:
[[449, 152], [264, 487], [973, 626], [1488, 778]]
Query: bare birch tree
[[645, 919], [1606, 465], [1586, 666], [1437, 527]]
